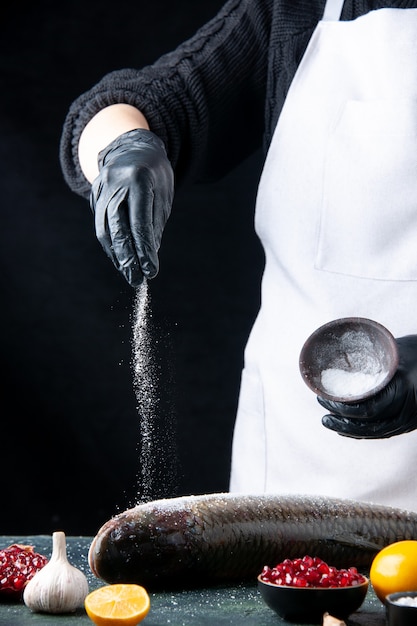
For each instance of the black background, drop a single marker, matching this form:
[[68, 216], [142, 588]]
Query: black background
[[70, 436]]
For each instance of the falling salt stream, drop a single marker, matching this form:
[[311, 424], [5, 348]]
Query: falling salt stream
[[157, 473]]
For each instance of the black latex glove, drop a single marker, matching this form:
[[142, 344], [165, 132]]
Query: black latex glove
[[131, 199], [392, 411]]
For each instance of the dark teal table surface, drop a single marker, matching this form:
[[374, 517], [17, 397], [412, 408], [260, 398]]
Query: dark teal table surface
[[230, 605]]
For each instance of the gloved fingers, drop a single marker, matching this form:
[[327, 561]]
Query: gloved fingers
[[99, 209], [363, 429], [161, 208], [149, 208], [123, 223], [407, 349], [131, 199], [381, 406], [393, 411], [340, 408], [141, 216], [113, 231]]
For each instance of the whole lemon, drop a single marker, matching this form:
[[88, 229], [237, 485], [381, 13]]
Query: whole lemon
[[394, 569]]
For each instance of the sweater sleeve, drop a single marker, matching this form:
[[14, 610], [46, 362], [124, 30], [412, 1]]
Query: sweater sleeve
[[206, 99]]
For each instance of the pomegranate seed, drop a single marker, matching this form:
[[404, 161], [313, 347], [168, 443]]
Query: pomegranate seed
[[299, 581], [313, 576], [310, 572]]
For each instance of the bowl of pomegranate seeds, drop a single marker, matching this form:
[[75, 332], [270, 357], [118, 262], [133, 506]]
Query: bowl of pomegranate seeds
[[306, 588]]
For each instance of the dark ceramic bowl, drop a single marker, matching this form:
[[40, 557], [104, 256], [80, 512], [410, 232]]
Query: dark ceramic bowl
[[309, 604], [349, 346], [399, 614]]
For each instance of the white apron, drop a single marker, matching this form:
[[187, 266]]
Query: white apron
[[337, 215]]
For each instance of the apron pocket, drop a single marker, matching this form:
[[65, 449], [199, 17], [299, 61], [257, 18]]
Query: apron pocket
[[368, 222]]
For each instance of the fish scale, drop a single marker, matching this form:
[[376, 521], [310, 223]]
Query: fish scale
[[217, 538]]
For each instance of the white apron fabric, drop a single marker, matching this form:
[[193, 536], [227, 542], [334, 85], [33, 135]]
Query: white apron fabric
[[336, 213]]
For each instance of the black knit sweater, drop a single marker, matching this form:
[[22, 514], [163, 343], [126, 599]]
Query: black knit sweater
[[217, 97]]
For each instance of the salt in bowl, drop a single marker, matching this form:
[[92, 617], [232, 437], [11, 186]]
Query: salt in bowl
[[349, 359], [401, 608]]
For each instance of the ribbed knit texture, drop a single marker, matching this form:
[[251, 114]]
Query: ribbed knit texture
[[217, 97]]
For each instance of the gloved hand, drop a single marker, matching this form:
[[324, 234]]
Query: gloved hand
[[131, 199], [390, 412]]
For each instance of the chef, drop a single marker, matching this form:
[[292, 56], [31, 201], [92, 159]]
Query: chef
[[330, 89]]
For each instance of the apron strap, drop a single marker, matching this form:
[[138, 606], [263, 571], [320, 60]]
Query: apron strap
[[333, 10]]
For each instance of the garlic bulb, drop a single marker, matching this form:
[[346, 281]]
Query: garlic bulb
[[58, 587]]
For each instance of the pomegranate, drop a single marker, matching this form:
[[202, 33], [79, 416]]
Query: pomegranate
[[18, 564], [310, 572]]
